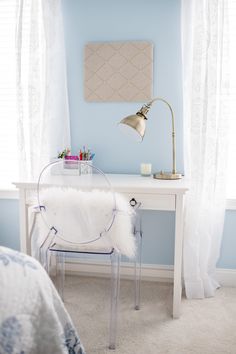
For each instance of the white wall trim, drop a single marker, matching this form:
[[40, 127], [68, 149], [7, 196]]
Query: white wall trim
[[226, 277], [151, 272], [231, 204], [9, 194]]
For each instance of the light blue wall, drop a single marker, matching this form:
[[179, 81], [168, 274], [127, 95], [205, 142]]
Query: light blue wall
[[228, 249], [9, 223], [94, 124]]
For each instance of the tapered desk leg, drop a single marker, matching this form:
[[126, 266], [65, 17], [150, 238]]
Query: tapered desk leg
[[178, 256]]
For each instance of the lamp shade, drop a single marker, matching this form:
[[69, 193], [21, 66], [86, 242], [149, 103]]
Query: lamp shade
[[135, 125]]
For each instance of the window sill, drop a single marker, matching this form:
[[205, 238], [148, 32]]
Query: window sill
[[231, 204], [14, 194], [9, 193]]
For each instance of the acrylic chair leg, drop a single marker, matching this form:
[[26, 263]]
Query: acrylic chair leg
[[137, 272], [60, 273], [47, 258], [115, 289], [41, 257]]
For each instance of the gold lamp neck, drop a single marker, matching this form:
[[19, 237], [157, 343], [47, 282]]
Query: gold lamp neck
[[143, 112], [147, 106]]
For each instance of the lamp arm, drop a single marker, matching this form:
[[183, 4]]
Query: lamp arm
[[144, 110]]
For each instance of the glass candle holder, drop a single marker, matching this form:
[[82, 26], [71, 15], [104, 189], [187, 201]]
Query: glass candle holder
[[146, 169]]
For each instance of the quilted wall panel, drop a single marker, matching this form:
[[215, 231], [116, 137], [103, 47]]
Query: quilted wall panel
[[118, 71]]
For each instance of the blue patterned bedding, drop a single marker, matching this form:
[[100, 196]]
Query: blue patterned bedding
[[33, 319]]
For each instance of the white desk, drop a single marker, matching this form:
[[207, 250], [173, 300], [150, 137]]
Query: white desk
[[153, 195]]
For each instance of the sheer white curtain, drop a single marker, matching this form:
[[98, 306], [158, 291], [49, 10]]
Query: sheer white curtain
[[205, 85], [43, 124]]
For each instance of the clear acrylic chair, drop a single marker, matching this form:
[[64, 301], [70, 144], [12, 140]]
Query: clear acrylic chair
[[83, 215]]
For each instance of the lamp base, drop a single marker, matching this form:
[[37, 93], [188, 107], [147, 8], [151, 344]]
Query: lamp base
[[167, 175]]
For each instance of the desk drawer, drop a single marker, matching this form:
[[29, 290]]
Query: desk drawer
[[153, 201]]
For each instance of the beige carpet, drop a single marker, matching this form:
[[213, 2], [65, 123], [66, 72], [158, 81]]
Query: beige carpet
[[205, 327]]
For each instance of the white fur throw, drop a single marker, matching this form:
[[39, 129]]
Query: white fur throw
[[81, 216]]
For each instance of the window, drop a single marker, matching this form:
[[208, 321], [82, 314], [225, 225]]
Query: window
[[231, 185], [8, 103]]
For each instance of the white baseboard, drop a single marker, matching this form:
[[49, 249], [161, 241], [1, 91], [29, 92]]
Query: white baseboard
[[151, 272], [226, 277]]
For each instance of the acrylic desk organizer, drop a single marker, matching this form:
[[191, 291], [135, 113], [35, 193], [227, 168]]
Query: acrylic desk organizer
[[75, 166], [71, 162]]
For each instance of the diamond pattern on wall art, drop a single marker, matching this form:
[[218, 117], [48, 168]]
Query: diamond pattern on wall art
[[118, 71]]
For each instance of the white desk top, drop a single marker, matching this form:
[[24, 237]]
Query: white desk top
[[134, 183]]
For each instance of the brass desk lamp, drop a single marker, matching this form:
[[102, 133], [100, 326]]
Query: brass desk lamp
[[138, 124]]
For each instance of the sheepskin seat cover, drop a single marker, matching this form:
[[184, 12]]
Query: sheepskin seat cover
[[80, 217]]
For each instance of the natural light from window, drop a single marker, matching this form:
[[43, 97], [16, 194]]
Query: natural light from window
[[231, 185], [8, 108]]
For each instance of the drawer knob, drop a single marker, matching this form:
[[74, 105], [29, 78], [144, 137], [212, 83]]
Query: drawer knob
[[133, 202]]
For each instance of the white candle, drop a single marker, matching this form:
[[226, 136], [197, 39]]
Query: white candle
[[146, 169]]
